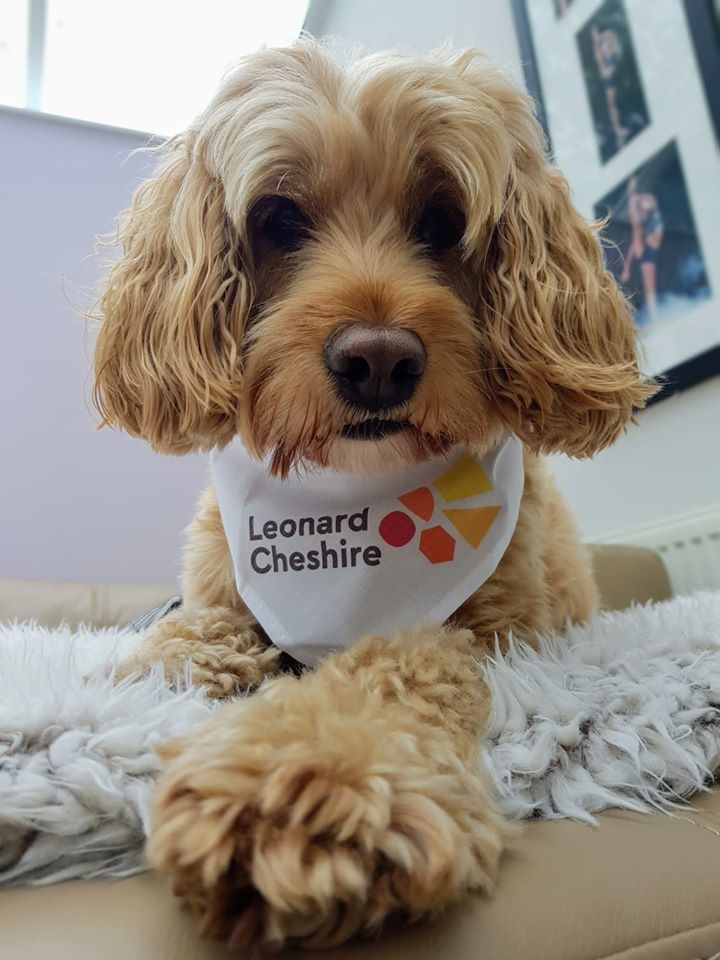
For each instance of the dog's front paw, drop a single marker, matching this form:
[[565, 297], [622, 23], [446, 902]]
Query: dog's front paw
[[217, 648], [289, 820]]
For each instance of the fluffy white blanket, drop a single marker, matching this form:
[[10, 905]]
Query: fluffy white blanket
[[623, 712]]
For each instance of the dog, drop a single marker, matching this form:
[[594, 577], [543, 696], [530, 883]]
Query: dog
[[404, 207]]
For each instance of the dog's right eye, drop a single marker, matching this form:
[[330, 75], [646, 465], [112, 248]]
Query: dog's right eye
[[440, 226], [284, 224]]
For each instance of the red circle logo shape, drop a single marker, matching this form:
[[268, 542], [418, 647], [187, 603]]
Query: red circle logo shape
[[397, 528]]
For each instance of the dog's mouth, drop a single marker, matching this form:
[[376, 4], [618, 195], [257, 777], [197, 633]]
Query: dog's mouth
[[373, 429]]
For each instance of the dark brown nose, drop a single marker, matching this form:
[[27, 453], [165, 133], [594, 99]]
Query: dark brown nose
[[375, 367]]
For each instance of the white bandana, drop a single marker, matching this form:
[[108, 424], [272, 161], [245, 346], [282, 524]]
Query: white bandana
[[324, 558]]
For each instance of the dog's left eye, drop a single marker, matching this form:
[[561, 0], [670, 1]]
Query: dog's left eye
[[440, 226], [285, 225]]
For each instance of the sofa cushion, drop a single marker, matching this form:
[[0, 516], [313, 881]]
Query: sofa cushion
[[52, 602], [637, 887], [624, 574], [627, 574]]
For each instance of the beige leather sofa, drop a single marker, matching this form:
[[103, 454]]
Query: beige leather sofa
[[635, 888]]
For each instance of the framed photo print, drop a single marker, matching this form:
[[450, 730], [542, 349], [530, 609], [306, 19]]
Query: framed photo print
[[561, 7], [654, 250], [614, 86], [626, 98]]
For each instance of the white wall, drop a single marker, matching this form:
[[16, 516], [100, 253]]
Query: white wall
[[667, 465], [420, 25], [74, 503]]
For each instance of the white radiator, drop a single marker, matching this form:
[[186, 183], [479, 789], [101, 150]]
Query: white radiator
[[689, 546]]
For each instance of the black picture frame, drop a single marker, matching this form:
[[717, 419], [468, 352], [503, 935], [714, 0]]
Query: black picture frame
[[704, 28], [703, 17], [529, 64], [687, 374]]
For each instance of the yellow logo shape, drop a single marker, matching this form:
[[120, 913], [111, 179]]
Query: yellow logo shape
[[466, 478], [472, 524]]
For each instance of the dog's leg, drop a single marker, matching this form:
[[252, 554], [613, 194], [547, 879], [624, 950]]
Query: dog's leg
[[213, 632], [222, 647], [323, 805]]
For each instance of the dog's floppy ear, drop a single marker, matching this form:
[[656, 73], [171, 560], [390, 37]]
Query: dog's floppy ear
[[562, 363], [167, 358]]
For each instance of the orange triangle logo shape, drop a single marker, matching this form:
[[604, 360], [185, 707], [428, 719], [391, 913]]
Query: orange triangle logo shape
[[420, 501], [473, 523]]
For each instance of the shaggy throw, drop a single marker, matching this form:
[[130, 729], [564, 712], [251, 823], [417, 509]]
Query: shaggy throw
[[622, 712]]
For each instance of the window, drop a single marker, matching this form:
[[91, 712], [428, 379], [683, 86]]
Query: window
[[14, 24], [143, 64]]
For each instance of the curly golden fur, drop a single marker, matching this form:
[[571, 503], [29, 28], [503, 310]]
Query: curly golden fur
[[330, 801]]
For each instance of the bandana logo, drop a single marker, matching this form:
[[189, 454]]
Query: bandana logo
[[466, 478], [325, 557]]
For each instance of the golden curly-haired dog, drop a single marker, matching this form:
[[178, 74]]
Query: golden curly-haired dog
[[410, 195]]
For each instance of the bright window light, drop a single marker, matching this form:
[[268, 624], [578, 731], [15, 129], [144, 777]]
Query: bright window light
[[14, 26], [149, 64]]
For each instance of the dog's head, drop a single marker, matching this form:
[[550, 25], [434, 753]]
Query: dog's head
[[357, 265]]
